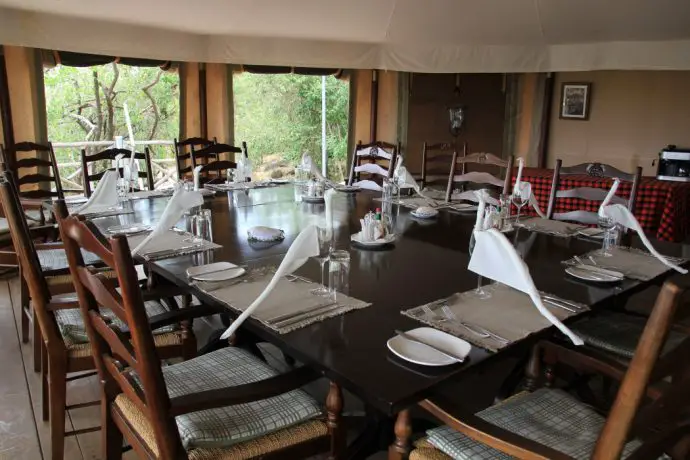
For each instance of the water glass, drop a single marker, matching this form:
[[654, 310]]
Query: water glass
[[202, 226], [339, 273], [325, 236], [521, 196], [230, 176], [611, 235]]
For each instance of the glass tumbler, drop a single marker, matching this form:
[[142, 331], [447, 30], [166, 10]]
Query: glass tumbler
[[338, 273], [202, 224]]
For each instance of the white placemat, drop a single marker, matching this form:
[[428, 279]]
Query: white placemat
[[292, 295], [508, 313]]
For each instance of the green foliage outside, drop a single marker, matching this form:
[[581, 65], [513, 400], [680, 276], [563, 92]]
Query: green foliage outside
[[279, 116]]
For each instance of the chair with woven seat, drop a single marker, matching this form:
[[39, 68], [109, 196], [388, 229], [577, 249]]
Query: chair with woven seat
[[550, 423], [214, 167], [436, 163], [459, 175], [109, 156], [183, 154], [59, 335], [226, 404], [376, 160], [581, 196]]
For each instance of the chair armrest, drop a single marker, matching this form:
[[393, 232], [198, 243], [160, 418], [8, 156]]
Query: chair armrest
[[53, 245], [491, 435], [183, 314], [241, 394]]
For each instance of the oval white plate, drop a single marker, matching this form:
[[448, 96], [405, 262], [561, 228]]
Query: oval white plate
[[592, 232], [463, 207], [219, 271], [420, 354], [129, 229], [388, 239], [589, 275], [424, 215]]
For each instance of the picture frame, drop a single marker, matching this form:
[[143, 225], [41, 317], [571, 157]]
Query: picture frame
[[575, 101]]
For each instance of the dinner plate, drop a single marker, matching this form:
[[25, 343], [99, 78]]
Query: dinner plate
[[313, 199], [219, 271], [462, 207], [388, 239], [420, 354], [424, 212], [592, 232], [129, 229], [594, 274]]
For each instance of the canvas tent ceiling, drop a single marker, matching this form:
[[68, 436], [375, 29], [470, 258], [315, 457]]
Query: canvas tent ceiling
[[411, 35]]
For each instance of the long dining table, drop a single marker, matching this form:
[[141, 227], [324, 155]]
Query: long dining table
[[428, 262]]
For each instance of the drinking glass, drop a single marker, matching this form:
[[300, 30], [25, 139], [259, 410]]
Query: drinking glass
[[325, 247], [230, 178], [610, 235], [202, 224], [338, 273], [480, 292], [521, 196]]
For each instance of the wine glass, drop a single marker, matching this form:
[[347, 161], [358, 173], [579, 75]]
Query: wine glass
[[325, 235], [521, 196], [480, 292], [609, 226]]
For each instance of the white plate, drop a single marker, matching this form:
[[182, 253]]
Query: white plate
[[219, 271], [420, 354], [592, 232], [206, 192], [463, 207], [313, 199], [347, 188], [388, 239], [425, 214], [597, 276], [129, 229]]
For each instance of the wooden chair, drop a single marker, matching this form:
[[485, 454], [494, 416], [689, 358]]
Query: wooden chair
[[60, 336], [214, 168], [551, 424], [183, 154], [436, 163], [479, 178], [109, 156], [588, 193], [37, 176], [377, 160], [249, 410]]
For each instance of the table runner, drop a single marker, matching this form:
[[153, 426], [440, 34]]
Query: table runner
[[176, 241], [291, 295], [663, 208], [508, 313], [549, 226], [633, 263]]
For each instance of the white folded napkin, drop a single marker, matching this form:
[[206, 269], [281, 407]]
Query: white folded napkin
[[535, 204], [495, 257], [470, 195], [306, 245], [521, 165], [104, 197], [622, 216], [197, 177], [328, 199], [181, 201], [368, 185]]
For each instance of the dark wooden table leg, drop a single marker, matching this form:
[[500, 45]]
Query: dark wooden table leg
[[533, 370], [400, 449], [334, 408]]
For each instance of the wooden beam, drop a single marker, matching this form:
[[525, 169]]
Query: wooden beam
[[5, 110]]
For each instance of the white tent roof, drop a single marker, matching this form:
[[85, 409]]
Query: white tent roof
[[411, 35]]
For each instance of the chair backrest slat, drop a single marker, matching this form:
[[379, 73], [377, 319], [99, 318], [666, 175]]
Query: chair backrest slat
[[183, 154], [503, 167], [109, 155], [36, 174], [381, 153], [436, 162]]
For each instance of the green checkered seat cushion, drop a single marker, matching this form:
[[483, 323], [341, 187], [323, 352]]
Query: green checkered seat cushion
[[550, 417], [72, 328], [225, 426], [619, 333]]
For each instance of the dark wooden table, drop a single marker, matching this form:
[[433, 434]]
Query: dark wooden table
[[428, 262]]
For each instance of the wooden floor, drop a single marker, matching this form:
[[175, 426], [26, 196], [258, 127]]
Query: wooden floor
[[24, 435]]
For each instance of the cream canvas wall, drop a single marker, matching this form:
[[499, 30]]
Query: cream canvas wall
[[633, 115]]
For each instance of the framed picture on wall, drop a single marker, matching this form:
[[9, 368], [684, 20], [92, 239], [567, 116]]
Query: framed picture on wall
[[575, 101]]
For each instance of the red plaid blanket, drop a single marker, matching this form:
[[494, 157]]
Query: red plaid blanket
[[663, 208]]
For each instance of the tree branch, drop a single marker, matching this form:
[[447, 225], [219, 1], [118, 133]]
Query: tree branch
[[99, 109], [156, 115], [85, 124]]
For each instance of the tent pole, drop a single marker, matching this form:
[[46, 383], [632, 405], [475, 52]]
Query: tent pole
[[324, 153], [374, 104]]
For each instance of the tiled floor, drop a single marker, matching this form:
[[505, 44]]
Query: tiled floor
[[23, 434]]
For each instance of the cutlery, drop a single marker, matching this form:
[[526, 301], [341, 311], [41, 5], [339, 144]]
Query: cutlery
[[410, 338], [449, 313], [196, 277], [167, 252], [563, 301], [288, 316], [442, 319], [559, 305], [328, 308]]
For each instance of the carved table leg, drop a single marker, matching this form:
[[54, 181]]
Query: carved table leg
[[533, 370], [334, 408], [400, 449]]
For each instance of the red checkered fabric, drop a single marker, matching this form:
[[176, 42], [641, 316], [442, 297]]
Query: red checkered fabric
[[662, 208]]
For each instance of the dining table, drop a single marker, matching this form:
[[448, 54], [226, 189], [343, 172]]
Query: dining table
[[428, 261]]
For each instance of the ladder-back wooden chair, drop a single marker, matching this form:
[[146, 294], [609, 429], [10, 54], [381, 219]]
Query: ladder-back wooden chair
[[436, 163], [214, 168], [460, 176], [109, 155], [551, 424], [183, 154], [60, 335], [377, 160], [577, 198], [226, 404]]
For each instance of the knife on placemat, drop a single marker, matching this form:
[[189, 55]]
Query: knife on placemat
[[407, 336]]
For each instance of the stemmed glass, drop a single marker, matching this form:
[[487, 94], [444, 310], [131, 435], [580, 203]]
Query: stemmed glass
[[521, 196], [480, 292], [325, 235]]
